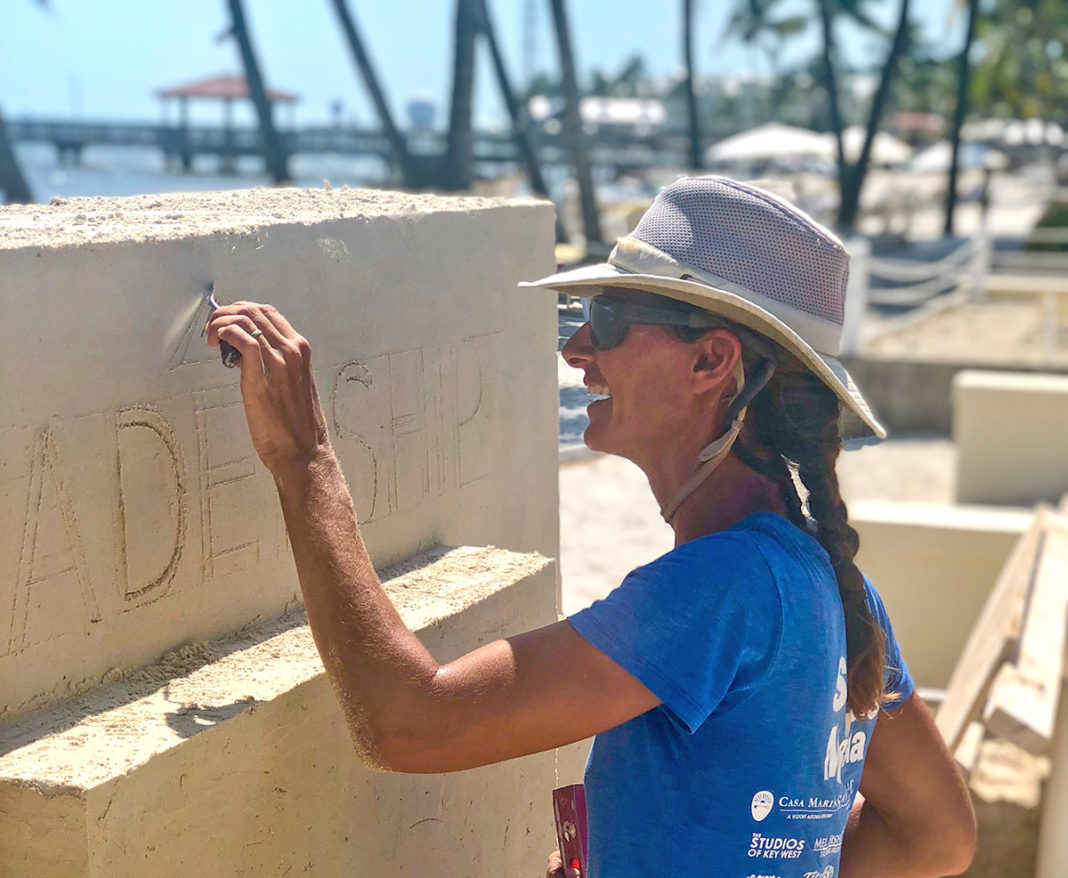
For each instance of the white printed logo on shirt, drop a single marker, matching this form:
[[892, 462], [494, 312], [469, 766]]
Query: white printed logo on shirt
[[840, 692], [762, 804], [842, 748]]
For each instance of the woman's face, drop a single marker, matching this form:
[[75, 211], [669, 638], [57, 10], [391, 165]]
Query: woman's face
[[647, 381]]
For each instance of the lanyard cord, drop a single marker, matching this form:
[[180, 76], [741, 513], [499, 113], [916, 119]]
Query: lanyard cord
[[713, 454]]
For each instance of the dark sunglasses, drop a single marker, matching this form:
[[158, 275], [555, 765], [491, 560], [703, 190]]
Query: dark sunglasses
[[611, 318]]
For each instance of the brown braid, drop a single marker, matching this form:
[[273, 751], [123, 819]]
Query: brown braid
[[796, 418]]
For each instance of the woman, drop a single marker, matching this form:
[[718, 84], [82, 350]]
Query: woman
[[738, 685]]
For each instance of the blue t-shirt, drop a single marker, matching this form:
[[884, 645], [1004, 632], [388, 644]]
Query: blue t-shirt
[[749, 767]]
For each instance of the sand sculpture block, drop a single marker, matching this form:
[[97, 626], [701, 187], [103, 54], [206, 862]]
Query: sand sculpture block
[[134, 514], [1011, 429], [232, 757], [934, 567]]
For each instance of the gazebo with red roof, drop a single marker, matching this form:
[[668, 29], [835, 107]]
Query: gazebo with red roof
[[226, 88]]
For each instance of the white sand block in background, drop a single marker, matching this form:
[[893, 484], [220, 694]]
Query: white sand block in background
[[134, 514], [1011, 430]]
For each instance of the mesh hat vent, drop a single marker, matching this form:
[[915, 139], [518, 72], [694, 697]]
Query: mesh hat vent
[[751, 239]]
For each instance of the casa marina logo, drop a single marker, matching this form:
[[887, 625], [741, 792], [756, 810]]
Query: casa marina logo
[[762, 804], [776, 847], [801, 807]]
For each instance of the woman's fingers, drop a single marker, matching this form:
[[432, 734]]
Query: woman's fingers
[[251, 348], [554, 866], [277, 385]]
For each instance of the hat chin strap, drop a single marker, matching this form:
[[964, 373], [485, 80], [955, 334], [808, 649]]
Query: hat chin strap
[[713, 454]]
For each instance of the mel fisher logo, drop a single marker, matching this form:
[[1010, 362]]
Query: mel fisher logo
[[762, 804]]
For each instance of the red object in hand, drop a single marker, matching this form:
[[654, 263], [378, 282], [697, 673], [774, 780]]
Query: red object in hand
[[569, 808]]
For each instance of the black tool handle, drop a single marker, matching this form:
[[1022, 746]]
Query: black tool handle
[[230, 354]]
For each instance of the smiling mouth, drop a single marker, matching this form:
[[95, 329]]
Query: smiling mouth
[[598, 392]]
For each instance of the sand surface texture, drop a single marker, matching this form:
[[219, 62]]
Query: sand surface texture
[[69, 222], [137, 714]]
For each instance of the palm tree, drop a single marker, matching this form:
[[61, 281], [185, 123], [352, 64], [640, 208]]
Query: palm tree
[[456, 167], [12, 182], [851, 177], [573, 125], [398, 146], [691, 96], [959, 112], [754, 17], [519, 119], [16, 190], [274, 151]]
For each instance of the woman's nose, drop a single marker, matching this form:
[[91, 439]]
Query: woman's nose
[[579, 350]]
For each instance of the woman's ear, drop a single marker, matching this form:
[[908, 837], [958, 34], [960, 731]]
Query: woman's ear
[[717, 353]]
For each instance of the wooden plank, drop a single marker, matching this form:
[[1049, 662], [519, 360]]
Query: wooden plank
[[993, 639], [967, 753], [1023, 701]]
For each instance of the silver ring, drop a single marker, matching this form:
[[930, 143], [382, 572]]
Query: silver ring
[[256, 333]]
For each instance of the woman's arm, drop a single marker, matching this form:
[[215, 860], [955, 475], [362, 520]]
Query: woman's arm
[[914, 816], [405, 711]]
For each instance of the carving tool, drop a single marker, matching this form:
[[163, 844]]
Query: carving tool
[[230, 354]]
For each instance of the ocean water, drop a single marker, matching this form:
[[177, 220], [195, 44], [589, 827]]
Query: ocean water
[[117, 171]]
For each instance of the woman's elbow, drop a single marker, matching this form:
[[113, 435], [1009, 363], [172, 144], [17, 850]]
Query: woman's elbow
[[949, 845], [962, 844]]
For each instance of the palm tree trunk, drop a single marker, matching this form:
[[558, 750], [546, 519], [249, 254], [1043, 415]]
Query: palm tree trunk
[[12, 182], [573, 126], [854, 178], [459, 154], [274, 151], [398, 146], [691, 96], [520, 128], [830, 82], [959, 112]]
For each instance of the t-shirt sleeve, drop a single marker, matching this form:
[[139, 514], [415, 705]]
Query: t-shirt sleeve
[[898, 680], [699, 626]]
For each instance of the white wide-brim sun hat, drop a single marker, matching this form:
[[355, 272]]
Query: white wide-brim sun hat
[[745, 254]]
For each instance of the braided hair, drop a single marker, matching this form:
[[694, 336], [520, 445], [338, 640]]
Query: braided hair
[[795, 420], [791, 435]]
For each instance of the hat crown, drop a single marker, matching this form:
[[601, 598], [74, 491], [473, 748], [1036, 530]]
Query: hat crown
[[752, 240]]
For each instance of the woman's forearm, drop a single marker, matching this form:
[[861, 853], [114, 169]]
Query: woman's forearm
[[377, 666]]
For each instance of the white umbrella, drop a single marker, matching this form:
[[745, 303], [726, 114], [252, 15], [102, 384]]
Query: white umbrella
[[885, 148], [771, 141]]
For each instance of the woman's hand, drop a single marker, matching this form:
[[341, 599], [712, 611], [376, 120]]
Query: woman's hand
[[282, 407], [554, 867]]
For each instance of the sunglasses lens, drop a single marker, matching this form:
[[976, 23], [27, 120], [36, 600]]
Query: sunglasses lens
[[608, 326]]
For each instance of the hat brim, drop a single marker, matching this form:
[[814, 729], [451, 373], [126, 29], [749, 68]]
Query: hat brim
[[857, 419]]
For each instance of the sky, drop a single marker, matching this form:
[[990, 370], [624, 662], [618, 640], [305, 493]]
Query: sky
[[104, 59]]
